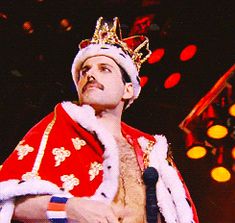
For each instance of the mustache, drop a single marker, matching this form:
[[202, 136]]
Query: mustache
[[93, 83]]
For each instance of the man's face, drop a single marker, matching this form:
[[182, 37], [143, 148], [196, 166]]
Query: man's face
[[100, 83]]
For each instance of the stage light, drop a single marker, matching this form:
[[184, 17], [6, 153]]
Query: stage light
[[217, 131], [233, 152], [231, 110], [65, 24], [141, 25], [188, 52], [196, 152], [3, 16], [156, 56], [143, 81], [196, 149], [28, 27], [220, 174], [210, 113], [172, 80]]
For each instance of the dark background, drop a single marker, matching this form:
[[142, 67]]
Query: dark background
[[35, 74]]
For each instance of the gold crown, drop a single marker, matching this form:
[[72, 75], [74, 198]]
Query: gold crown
[[136, 46]]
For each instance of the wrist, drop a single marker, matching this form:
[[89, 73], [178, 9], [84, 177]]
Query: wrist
[[56, 211]]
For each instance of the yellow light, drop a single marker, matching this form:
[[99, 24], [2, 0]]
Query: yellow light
[[217, 131], [220, 174], [0, 167], [233, 152], [196, 152], [231, 110]]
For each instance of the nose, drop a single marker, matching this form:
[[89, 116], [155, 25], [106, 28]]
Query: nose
[[91, 74], [90, 78]]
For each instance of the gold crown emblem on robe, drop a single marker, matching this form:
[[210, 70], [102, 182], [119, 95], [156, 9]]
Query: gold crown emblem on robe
[[137, 47]]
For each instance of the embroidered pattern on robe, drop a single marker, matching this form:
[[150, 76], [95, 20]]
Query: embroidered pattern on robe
[[70, 181], [78, 143], [60, 155], [23, 150], [94, 170]]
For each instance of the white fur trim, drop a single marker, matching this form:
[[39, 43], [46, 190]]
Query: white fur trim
[[164, 202], [13, 188], [173, 206], [85, 116], [6, 210], [116, 53]]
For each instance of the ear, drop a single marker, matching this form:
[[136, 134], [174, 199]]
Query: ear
[[128, 91]]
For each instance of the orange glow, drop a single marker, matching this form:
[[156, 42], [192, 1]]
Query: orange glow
[[188, 52], [231, 110], [156, 56], [220, 174], [196, 152], [28, 27], [65, 24], [143, 81], [233, 152], [172, 80], [217, 131], [0, 167]]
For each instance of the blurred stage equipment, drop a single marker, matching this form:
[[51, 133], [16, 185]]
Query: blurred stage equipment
[[210, 128]]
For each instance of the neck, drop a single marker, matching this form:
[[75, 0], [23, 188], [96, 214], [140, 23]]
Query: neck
[[111, 120]]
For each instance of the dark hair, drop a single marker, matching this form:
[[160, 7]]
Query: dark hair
[[125, 76], [125, 79]]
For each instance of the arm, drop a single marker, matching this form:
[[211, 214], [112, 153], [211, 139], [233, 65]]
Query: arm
[[33, 208]]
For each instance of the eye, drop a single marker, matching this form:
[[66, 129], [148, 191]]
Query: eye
[[83, 71], [105, 69]]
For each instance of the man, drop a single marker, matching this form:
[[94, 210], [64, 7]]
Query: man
[[81, 163]]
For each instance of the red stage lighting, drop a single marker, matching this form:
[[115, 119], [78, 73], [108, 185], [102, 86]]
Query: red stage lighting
[[141, 25], [172, 80], [28, 27], [65, 24], [147, 3], [156, 56], [188, 52], [143, 81], [3, 16]]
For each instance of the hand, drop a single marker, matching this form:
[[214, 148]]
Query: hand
[[88, 211]]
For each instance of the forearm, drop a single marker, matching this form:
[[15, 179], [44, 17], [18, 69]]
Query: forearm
[[31, 208]]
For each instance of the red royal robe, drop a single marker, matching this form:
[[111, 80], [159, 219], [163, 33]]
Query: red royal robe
[[67, 149]]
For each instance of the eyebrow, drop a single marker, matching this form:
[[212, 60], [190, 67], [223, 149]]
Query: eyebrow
[[106, 64]]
